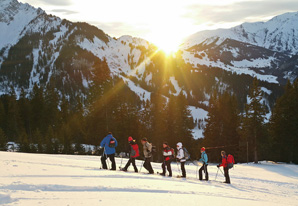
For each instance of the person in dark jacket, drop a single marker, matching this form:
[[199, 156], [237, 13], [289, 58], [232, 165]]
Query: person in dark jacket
[[133, 154], [109, 143], [168, 154], [224, 164], [204, 160], [147, 150]]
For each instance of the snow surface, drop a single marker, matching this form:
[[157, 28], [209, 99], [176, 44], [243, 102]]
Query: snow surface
[[199, 114], [241, 67], [40, 179]]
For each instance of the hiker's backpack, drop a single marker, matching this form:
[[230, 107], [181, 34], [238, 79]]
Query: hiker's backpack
[[173, 153], [153, 149], [112, 143], [230, 161], [134, 150], [186, 154]]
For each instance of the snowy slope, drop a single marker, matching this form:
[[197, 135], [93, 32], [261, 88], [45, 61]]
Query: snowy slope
[[262, 49], [14, 17], [278, 34], [32, 179]]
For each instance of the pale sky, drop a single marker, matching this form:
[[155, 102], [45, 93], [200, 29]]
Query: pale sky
[[164, 21]]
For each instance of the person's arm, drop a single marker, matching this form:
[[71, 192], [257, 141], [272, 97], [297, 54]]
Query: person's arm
[[103, 142], [149, 147], [116, 143]]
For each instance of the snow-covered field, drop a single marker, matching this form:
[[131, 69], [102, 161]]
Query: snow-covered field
[[39, 179]]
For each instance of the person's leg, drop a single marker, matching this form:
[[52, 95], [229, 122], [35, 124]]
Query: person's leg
[[127, 164], [206, 172], [163, 166], [103, 162], [133, 161], [146, 165], [169, 168], [151, 171], [227, 175], [183, 169], [200, 173], [112, 158]]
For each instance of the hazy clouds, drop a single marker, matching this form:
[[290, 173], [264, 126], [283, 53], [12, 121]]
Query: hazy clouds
[[240, 11], [138, 18]]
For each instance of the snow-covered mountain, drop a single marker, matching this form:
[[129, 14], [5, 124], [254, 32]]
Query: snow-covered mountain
[[37, 48], [278, 34], [267, 50]]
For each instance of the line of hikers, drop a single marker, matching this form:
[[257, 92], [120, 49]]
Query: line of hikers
[[109, 143]]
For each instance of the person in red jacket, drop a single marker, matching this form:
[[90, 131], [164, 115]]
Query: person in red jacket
[[168, 154], [133, 154], [224, 164]]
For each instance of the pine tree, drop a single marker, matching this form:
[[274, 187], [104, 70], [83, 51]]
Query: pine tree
[[25, 112], [37, 109], [3, 141], [38, 139], [253, 122], [13, 118], [283, 125], [49, 140], [24, 145], [222, 125], [2, 115]]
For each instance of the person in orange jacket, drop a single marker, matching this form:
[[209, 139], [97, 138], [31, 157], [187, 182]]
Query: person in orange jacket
[[224, 164]]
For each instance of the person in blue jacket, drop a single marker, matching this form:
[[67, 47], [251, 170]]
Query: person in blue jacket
[[109, 143], [204, 159]]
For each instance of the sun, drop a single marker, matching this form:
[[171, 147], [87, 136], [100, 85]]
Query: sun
[[168, 46]]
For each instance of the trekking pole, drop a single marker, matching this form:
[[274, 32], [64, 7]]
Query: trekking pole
[[100, 159], [142, 165], [121, 161], [216, 173], [104, 149], [178, 166], [222, 172], [197, 171]]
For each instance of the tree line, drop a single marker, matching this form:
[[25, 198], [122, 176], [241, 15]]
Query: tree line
[[45, 121]]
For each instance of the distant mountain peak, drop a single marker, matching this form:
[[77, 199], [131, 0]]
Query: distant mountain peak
[[279, 34]]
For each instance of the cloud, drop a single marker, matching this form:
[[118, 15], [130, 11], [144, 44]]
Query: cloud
[[120, 28], [57, 2], [240, 11], [64, 11]]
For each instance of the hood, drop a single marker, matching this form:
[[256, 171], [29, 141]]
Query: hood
[[179, 144]]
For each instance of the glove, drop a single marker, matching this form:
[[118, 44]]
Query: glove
[[217, 166]]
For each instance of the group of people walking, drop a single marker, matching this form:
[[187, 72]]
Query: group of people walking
[[109, 143]]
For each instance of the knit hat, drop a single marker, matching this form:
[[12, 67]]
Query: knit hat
[[203, 149], [130, 139]]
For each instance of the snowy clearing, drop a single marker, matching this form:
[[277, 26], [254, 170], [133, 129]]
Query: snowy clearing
[[39, 179]]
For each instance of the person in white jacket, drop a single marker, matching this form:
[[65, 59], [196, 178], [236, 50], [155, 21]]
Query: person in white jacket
[[181, 158]]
